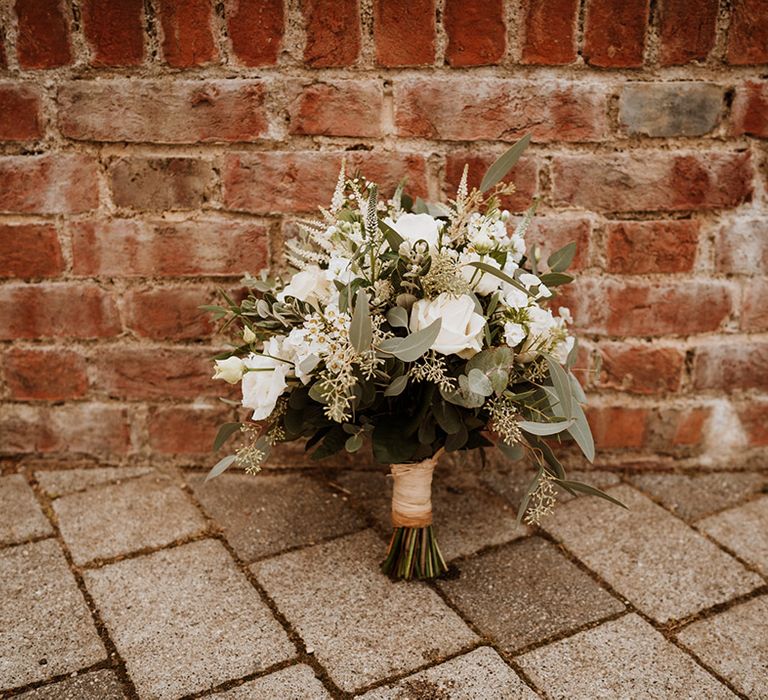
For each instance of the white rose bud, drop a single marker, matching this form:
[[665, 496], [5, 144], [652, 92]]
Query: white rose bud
[[230, 370], [461, 332], [248, 335]]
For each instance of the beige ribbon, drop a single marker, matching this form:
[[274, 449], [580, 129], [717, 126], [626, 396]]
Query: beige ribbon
[[412, 493]]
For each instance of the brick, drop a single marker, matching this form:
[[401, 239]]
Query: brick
[[114, 31], [20, 514], [692, 496], [749, 112], [132, 372], [3, 57], [97, 685], [688, 424], [614, 35], [47, 629], [130, 248], [187, 34], [732, 366], [743, 530], [477, 33], [646, 554], [295, 681], [338, 108], [748, 33], [20, 115], [61, 183], [652, 181], [754, 420], [275, 181], [453, 109], [255, 28], [332, 32], [160, 184], [43, 34], [395, 19], [50, 375], [494, 592], [60, 483], [733, 643], [642, 247], [184, 111], [621, 658], [670, 109], [293, 510], [550, 32], [207, 640], [482, 674], [686, 31], [75, 428], [117, 519], [30, 250], [742, 247], [641, 369], [621, 308], [524, 176], [754, 310], [165, 313], [179, 430], [380, 639], [551, 233], [617, 428], [57, 310]]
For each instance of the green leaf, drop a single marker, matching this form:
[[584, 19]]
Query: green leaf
[[419, 206], [360, 329], [561, 259], [397, 386], [413, 346], [479, 383], [573, 354], [318, 392], [590, 490], [392, 237], [225, 432], [447, 417], [529, 492], [397, 317], [491, 270], [426, 432], [504, 164], [581, 433], [549, 456], [457, 440], [495, 364], [544, 428], [391, 444], [217, 311], [512, 452], [555, 279], [561, 384], [576, 390], [221, 466], [353, 443]]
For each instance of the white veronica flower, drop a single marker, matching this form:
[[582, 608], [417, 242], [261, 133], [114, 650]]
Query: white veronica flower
[[461, 332], [310, 285], [230, 370], [482, 282], [417, 227]]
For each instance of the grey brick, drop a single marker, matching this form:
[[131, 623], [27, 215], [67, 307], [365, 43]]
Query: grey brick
[[362, 626], [96, 685], [61, 482], [186, 619], [292, 683], [45, 627], [20, 515]]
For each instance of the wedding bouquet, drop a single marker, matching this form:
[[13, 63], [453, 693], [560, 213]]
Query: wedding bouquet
[[421, 327]]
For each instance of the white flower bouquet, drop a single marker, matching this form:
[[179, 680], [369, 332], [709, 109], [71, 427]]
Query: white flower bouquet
[[421, 327]]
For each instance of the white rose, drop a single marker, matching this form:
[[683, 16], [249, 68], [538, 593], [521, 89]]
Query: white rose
[[482, 282], [339, 269], [514, 334], [230, 370], [417, 227], [461, 332], [309, 285], [263, 384], [302, 353], [515, 298]]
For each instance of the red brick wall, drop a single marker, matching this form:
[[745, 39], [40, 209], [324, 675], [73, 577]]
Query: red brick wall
[[153, 150]]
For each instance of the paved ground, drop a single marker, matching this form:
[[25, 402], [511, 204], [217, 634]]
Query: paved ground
[[126, 583]]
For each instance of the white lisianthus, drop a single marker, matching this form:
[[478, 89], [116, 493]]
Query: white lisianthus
[[530, 280], [304, 354], [263, 383], [563, 349], [541, 326], [461, 332], [565, 314], [482, 282], [310, 285], [417, 227], [248, 335], [230, 370], [514, 334], [339, 269], [515, 298]]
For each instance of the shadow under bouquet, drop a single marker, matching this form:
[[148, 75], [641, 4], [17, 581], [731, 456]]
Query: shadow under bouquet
[[422, 327]]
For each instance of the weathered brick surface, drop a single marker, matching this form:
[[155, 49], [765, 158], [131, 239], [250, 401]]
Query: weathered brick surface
[[614, 35], [395, 19], [114, 31], [686, 30], [732, 367], [43, 40], [333, 32], [338, 108], [748, 35], [187, 33], [255, 28], [742, 246], [636, 248], [30, 250], [750, 106], [550, 32], [20, 112], [641, 369], [476, 32], [51, 374]]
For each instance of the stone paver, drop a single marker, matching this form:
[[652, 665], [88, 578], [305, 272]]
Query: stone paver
[[362, 626], [186, 619], [96, 685], [479, 675], [45, 626], [61, 482], [622, 659], [266, 514], [292, 683], [116, 519], [743, 530], [664, 567], [466, 517], [20, 515], [734, 644], [526, 592], [696, 495]]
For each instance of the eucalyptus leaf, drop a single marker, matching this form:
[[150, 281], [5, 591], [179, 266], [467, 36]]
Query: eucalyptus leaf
[[419, 206], [392, 237], [221, 466], [555, 279], [397, 317], [590, 490], [576, 390], [491, 270], [360, 328], [413, 346], [317, 392], [457, 440], [353, 443], [504, 163], [224, 433], [397, 386], [512, 452], [391, 444], [561, 384], [529, 492], [581, 433], [479, 382], [544, 428], [573, 354], [447, 417], [561, 259]]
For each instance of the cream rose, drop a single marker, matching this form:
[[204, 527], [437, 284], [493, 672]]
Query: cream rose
[[417, 227], [230, 370], [263, 382], [461, 332], [482, 282], [310, 285]]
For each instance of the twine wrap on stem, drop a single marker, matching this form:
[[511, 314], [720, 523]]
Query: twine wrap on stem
[[412, 493]]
